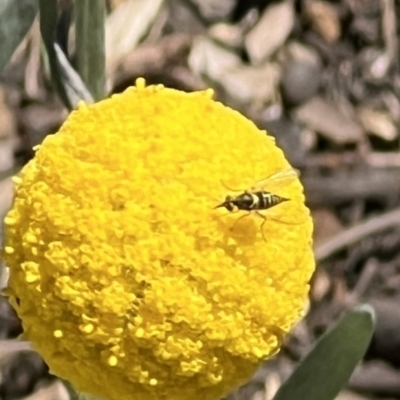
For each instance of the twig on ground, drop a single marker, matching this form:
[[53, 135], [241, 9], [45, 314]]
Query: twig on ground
[[356, 233]]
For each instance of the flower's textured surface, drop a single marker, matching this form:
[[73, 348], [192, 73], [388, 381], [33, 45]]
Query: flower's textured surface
[[128, 281]]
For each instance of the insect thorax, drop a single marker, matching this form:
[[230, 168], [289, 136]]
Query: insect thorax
[[245, 201]]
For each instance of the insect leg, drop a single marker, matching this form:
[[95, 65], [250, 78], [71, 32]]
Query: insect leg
[[278, 218], [269, 217], [262, 224], [224, 215], [241, 217], [229, 212]]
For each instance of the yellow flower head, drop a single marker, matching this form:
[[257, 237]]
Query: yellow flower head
[[129, 282]]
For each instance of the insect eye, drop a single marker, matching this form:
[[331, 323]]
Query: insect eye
[[230, 207]]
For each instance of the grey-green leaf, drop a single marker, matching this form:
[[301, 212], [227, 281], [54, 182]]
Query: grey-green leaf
[[329, 365], [90, 48], [16, 17]]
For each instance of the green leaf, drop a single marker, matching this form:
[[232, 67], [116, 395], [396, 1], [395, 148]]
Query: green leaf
[[328, 367], [16, 17], [90, 50]]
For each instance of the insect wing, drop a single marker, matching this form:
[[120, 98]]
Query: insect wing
[[279, 178]]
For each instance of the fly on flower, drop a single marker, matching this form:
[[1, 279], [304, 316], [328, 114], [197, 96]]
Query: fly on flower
[[257, 199]]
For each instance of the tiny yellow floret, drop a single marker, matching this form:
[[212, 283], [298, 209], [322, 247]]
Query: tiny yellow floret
[[9, 250], [16, 179], [58, 334], [127, 279], [112, 361], [88, 328]]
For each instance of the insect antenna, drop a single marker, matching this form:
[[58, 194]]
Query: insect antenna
[[230, 188]]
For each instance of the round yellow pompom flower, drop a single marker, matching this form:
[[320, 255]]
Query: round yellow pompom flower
[[129, 282]]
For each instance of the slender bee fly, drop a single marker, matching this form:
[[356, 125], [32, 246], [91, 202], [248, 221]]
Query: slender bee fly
[[252, 201], [257, 199]]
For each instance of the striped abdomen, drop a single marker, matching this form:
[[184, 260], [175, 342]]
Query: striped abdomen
[[265, 200]]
